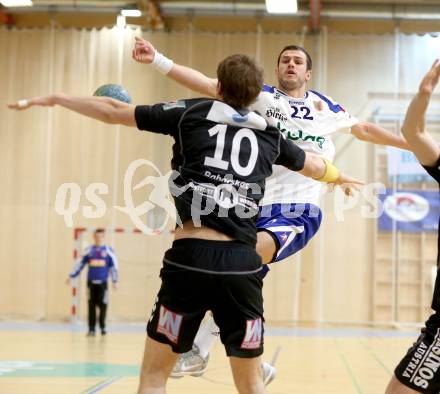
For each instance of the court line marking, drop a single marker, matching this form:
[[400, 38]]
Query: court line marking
[[92, 387], [376, 357], [348, 368], [101, 385], [275, 356]]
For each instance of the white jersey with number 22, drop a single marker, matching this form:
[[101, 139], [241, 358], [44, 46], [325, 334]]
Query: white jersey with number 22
[[310, 122]]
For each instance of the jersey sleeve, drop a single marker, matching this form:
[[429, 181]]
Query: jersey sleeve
[[341, 119], [81, 263], [291, 155], [434, 171], [161, 118], [113, 264], [336, 117]]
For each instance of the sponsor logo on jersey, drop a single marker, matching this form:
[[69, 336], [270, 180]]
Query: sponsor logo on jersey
[[226, 196], [424, 364], [319, 106], [276, 114], [240, 118], [227, 179], [406, 207], [97, 263], [169, 324], [254, 332], [294, 102], [283, 237], [301, 135], [174, 104]]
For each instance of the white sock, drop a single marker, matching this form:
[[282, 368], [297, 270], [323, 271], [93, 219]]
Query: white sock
[[206, 336]]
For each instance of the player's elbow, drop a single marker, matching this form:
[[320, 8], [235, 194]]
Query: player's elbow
[[118, 116], [411, 132], [113, 112], [360, 131]]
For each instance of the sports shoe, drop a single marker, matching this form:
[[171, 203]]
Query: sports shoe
[[269, 372], [190, 363], [91, 334]]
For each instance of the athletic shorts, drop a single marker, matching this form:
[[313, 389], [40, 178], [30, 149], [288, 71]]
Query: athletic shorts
[[420, 368], [292, 226], [220, 276]]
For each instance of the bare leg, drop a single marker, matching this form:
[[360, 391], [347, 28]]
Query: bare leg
[[158, 362], [266, 246], [247, 375], [395, 387]]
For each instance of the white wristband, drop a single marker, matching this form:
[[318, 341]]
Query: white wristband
[[23, 103], [162, 63]]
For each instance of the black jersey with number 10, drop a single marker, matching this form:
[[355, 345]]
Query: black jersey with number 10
[[222, 158]]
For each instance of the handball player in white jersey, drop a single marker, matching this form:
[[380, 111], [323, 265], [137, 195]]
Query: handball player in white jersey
[[289, 212]]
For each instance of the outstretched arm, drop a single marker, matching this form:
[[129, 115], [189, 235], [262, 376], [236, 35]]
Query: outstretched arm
[[145, 53], [104, 109], [370, 132], [421, 143]]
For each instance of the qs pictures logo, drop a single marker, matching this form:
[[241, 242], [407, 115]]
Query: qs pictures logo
[[68, 196]]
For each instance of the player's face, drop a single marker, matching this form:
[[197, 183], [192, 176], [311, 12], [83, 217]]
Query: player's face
[[98, 238], [292, 70]]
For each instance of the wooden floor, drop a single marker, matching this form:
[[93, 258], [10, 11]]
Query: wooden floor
[[45, 359]]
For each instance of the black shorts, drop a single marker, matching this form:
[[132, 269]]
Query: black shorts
[[218, 276], [420, 368]]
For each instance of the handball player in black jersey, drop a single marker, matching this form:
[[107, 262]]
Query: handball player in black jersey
[[419, 370], [221, 157]]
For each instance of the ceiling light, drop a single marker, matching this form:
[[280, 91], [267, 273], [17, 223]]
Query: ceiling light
[[120, 21], [281, 6], [16, 3], [131, 13]]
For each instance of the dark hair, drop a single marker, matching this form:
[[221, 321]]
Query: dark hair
[[241, 80], [99, 230], [296, 48]]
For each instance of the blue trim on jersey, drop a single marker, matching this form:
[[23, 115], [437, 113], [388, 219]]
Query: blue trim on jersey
[[268, 88], [292, 225], [333, 107]]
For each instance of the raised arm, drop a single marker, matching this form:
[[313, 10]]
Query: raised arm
[[104, 109], [145, 53], [421, 143]]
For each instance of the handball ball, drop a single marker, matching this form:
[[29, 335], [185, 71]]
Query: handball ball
[[114, 91]]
